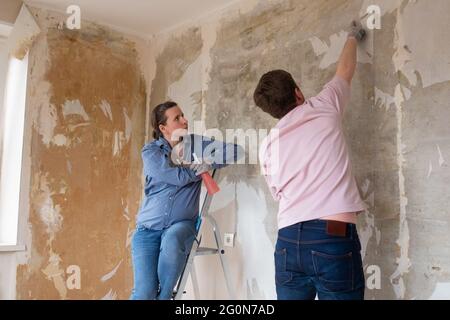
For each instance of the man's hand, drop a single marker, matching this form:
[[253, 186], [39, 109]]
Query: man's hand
[[347, 62], [357, 31]]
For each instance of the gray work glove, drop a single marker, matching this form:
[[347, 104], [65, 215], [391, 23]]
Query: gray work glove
[[357, 31], [200, 168]]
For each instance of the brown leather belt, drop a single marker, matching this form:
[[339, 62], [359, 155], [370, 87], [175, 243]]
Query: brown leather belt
[[337, 228]]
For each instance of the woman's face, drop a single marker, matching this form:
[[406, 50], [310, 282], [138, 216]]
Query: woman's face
[[175, 125]]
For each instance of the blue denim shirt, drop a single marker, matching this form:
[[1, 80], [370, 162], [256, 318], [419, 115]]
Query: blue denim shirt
[[171, 194]]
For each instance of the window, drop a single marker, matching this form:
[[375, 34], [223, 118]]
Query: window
[[12, 117]]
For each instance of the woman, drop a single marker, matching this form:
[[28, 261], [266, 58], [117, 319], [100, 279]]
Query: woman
[[165, 226]]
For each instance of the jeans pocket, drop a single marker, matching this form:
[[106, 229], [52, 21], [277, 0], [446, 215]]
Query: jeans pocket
[[282, 276], [334, 272]]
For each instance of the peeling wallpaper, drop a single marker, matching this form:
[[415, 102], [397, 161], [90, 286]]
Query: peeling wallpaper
[[87, 98], [87, 101], [396, 126]]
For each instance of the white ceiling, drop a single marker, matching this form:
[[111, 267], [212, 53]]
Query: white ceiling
[[142, 17]]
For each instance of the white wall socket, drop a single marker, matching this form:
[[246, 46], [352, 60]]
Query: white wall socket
[[228, 239]]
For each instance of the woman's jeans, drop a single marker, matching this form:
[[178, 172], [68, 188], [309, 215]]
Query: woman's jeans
[[309, 261], [159, 257]]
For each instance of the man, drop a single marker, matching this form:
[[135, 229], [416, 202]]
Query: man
[[318, 249]]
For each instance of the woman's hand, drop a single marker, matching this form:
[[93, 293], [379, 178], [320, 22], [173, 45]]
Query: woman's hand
[[200, 168]]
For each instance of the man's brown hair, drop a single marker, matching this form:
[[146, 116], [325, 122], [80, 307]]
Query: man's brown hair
[[275, 93]]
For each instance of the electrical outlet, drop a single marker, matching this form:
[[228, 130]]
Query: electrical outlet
[[228, 240]]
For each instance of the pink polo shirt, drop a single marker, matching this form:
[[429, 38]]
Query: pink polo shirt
[[306, 163]]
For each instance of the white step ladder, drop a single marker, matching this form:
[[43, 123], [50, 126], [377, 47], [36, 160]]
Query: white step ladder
[[201, 251]]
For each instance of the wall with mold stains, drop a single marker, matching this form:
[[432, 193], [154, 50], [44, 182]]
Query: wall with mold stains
[[396, 125], [86, 101], [85, 125]]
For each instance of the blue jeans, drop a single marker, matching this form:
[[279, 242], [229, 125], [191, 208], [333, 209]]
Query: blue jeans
[[309, 261], [158, 259]]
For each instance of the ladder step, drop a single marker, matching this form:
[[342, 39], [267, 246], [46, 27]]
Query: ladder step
[[206, 251]]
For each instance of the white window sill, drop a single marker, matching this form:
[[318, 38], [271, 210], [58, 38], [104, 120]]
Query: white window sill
[[12, 248]]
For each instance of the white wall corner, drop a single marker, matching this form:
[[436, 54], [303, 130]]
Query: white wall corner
[[23, 33]]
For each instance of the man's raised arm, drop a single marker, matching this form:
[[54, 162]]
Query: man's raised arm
[[347, 61]]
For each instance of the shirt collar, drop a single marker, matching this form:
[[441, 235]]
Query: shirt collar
[[163, 143]]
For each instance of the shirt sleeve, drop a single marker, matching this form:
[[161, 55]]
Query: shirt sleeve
[[336, 93], [221, 154], [273, 190], [267, 169], [157, 167], [225, 154]]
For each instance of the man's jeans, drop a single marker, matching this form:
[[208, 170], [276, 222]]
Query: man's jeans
[[158, 259], [308, 261]]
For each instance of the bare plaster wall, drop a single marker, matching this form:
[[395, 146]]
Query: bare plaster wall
[[86, 110], [396, 125], [86, 116]]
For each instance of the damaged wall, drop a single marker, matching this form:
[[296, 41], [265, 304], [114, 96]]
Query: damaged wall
[[85, 106], [396, 126], [85, 128]]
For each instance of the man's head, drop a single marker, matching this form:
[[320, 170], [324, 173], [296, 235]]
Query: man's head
[[168, 121], [277, 93]]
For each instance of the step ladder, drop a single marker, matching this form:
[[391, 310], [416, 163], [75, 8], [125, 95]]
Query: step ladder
[[196, 250]]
